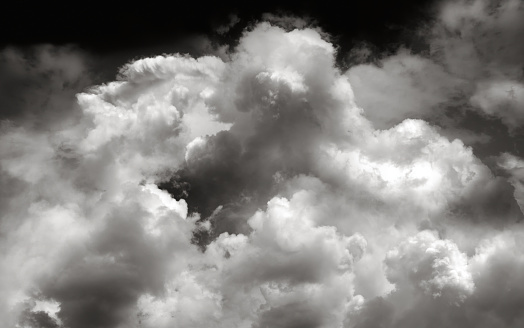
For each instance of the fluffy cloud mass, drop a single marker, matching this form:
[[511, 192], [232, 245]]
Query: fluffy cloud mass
[[267, 188]]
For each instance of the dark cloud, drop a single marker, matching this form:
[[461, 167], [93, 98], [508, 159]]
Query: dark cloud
[[39, 84], [291, 316]]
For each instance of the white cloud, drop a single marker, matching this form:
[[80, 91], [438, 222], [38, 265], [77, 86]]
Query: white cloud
[[285, 263], [435, 266]]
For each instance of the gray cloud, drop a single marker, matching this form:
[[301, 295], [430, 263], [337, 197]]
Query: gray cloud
[[469, 76], [39, 84], [266, 187]]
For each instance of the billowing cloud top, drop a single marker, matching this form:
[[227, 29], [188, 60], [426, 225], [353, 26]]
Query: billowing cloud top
[[267, 188]]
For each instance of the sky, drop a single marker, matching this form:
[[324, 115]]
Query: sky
[[275, 165]]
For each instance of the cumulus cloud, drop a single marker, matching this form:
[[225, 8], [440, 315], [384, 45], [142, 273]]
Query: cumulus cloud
[[286, 272], [266, 188], [436, 267], [483, 286], [468, 75]]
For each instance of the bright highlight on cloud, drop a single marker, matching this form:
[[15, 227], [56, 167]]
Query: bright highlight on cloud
[[267, 188]]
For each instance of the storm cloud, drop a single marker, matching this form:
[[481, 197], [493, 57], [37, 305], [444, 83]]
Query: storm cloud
[[268, 186]]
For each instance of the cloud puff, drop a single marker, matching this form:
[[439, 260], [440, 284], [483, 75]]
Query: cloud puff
[[492, 270], [435, 266], [286, 268], [81, 215]]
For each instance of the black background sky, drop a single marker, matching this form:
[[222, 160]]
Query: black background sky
[[107, 27]]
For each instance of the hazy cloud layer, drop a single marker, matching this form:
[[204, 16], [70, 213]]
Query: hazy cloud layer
[[267, 187]]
